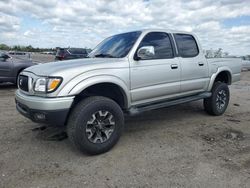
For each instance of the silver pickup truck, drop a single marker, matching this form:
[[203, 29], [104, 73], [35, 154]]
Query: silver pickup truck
[[126, 73]]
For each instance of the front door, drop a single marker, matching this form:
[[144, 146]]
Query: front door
[[5, 67], [157, 77]]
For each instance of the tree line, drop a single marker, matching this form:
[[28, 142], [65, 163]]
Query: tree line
[[28, 48]]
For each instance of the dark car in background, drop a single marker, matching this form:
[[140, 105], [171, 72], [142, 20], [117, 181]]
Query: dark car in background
[[71, 53], [10, 67], [17, 53]]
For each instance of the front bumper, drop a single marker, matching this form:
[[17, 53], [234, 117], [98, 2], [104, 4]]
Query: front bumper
[[52, 111]]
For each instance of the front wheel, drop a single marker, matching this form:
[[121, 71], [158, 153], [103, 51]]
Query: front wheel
[[218, 102], [95, 125]]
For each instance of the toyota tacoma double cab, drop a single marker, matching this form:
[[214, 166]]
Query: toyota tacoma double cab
[[127, 73]]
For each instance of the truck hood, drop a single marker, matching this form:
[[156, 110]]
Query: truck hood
[[77, 66]]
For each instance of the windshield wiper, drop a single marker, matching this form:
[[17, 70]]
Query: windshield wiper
[[104, 55]]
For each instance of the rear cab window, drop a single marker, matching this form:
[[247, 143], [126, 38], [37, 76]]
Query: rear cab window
[[77, 51], [60, 52], [186, 45]]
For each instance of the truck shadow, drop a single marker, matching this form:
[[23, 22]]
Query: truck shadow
[[164, 117], [138, 128], [155, 119], [7, 86]]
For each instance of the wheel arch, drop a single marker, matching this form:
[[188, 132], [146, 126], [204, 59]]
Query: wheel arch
[[110, 87], [223, 74]]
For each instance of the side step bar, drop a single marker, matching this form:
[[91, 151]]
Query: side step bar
[[152, 106]]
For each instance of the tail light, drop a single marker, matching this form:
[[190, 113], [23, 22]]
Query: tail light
[[61, 57]]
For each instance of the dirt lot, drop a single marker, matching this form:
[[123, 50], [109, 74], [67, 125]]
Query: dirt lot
[[180, 146]]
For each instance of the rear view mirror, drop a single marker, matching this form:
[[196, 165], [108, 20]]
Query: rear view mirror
[[146, 52]]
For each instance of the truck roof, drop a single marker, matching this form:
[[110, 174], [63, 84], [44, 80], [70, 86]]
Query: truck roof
[[165, 30]]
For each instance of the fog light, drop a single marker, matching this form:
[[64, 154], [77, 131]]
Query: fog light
[[39, 116]]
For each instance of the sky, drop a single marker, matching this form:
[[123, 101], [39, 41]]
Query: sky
[[84, 23]]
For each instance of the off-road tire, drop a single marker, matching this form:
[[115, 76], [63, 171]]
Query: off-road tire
[[79, 120], [212, 104]]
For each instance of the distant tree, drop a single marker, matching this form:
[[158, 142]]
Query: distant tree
[[28, 48], [16, 48], [225, 54], [4, 47], [216, 53]]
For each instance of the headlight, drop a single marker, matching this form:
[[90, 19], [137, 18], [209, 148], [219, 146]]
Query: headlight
[[40, 85], [47, 85]]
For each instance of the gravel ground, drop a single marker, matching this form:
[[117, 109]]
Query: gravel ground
[[179, 146], [36, 57], [42, 58]]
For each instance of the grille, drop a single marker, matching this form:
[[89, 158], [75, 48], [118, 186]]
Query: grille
[[23, 83]]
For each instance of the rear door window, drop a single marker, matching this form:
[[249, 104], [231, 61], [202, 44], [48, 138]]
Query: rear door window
[[186, 44]]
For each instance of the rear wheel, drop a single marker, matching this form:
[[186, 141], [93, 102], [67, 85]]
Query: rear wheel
[[218, 102], [95, 125]]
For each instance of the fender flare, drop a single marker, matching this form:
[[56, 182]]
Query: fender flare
[[90, 81], [214, 75]]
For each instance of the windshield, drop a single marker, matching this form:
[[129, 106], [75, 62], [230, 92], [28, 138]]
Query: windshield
[[4, 55], [117, 46]]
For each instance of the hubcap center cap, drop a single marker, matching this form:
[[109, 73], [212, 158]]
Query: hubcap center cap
[[100, 126]]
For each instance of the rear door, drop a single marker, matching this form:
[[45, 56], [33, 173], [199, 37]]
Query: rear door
[[194, 67], [157, 77]]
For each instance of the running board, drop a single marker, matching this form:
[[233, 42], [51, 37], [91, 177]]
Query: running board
[[152, 106]]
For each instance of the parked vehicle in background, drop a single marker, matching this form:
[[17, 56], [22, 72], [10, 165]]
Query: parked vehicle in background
[[88, 50], [16, 53], [49, 53], [10, 67], [70, 53], [126, 73], [246, 64]]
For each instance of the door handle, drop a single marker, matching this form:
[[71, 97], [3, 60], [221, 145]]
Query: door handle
[[200, 63], [174, 66]]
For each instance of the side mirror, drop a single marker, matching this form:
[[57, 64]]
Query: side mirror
[[4, 57], [146, 52]]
